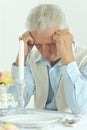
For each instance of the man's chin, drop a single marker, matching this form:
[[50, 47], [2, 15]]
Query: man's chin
[[52, 59]]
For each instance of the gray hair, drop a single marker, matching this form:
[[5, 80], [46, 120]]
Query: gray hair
[[45, 16]]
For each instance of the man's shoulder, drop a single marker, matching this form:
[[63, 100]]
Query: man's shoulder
[[33, 54], [80, 50], [80, 47], [81, 54]]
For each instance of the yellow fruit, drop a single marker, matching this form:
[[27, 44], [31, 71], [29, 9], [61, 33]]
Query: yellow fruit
[[10, 126], [2, 128], [6, 78]]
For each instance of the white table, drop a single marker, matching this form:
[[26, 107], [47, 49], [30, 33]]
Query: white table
[[80, 125]]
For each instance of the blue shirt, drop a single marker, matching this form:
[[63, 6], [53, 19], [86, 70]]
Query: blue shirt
[[75, 84]]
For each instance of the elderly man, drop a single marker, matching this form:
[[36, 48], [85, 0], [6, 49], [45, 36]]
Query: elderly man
[[56, 69]]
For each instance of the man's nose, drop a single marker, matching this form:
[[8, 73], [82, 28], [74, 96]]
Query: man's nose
[[44, 47]]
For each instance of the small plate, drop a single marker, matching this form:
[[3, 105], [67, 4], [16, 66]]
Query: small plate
[[29, 120]]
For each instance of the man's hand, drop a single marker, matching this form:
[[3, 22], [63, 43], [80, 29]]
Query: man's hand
[[63, 40], [28, 45]]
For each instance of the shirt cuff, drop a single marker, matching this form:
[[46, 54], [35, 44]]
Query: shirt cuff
[[72, 70]]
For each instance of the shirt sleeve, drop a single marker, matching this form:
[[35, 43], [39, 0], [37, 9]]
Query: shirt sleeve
[[28, 79], [75, 86]]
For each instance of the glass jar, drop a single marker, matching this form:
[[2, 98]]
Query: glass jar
[[11, 96], [7, 99]]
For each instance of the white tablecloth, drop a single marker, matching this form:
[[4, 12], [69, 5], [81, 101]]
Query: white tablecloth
[[57, 125], [80, 125]]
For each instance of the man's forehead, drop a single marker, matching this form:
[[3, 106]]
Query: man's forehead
[[49, 31]]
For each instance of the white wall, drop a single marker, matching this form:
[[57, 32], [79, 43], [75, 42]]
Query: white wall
[[13, 14]]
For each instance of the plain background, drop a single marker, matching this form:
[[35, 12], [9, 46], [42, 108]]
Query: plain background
[[13, 15]]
